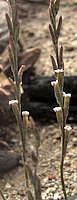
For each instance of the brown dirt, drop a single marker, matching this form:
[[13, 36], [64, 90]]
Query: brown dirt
[[34, 32]]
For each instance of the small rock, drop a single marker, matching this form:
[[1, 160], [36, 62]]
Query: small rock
[[52, 177], [7, 186], [56, 196]]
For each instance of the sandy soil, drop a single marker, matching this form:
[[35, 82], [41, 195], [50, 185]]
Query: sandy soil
[[34, 20], [36, 33]]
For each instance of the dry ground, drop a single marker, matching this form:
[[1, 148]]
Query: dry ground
[[34, 32]]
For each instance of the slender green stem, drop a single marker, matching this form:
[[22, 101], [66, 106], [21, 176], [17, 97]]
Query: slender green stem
[[18, 96], [23, 141], [62, 158], [53, 10], [61, 172]]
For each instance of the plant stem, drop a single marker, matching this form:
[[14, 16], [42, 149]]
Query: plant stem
[[62, 158], [57, 56], [22, 139], [61, 172]]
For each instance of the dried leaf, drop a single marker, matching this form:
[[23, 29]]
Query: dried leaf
[[52, 21], [9, 24], [59, 27], [52, 34], [61, 58], [16, 112], [53, 63]]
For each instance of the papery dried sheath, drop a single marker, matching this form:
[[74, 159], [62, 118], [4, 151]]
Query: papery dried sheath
[[15, 109], [66, 104], [21, 88], [20, 72], [67, 132], [68, 128], [13, 84], [16, 112], [24, 121], [14, 101], [25, 113], [11, 81], [60, 77], [59, 115], [58, 93]]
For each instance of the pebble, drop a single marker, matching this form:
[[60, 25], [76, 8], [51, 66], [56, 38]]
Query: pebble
[[7, 186], [56, 196]]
